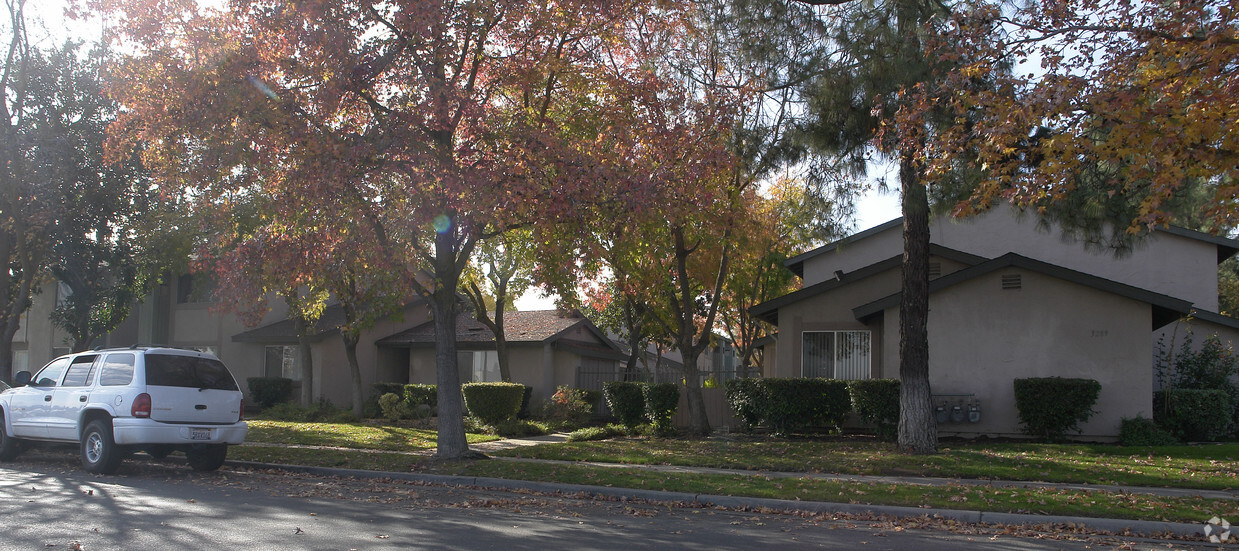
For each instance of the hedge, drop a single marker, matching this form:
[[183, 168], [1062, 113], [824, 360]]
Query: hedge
[[388, 388], [744, 397], [493, 402], [416, 395], [269, 391], [626, 400], [661, 401], [877, 401], [1193, 415], [1050, 406], [789, 405]]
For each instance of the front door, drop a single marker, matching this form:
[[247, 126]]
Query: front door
[[32, 404]]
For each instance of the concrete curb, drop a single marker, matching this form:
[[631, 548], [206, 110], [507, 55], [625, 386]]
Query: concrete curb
[[1114, 526]]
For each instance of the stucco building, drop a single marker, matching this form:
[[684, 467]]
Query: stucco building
[[1008, 299]]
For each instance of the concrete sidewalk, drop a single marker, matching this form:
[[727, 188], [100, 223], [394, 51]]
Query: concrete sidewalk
[[1115, 526]]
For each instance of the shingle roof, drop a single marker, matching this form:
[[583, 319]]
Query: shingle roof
[[285, 332], [534, 326]]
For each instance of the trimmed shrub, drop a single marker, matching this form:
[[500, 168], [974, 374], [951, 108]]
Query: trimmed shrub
[[661, 401], [394, 408], [269, 391], [493, 402], [1214, 366], [417, 395], [794, 404], [388, 388], [1144, 432], [626, 400], [1191, 414], [877, 401], [1050, 406], [744, 397]]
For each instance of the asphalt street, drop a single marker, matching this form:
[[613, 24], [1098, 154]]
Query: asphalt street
[[47, 502]]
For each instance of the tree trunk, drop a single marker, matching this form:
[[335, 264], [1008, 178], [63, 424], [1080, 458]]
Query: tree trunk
[[307, 361], [451, 436], [918, 431], [501, 339], [350, 351], [698, 421]]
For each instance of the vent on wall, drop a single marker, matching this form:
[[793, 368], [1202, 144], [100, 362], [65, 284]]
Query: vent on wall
[[935, 269], [1012, 282]]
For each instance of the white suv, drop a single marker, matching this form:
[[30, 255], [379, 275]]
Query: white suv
[[115, 402]]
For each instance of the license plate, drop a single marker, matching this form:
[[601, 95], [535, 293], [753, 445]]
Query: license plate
[[199, 434]]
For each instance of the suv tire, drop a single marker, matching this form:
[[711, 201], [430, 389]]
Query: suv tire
[[100, 454], [207, 457], [9, 446]]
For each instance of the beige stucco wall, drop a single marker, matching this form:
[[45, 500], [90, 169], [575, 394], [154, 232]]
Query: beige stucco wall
[[1164, 263], [981, 338]]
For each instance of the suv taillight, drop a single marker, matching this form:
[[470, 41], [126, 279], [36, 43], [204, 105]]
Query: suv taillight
[[141, 406], [241, 416]]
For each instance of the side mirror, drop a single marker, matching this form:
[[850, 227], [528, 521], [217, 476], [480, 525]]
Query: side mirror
[[22, 378]]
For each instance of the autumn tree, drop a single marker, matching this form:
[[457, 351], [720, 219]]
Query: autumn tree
[[435, 125], [788, 219], [1134, 102]]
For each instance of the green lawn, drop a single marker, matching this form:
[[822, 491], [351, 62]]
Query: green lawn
[[371, 446], [362, 436], [1203, 467]]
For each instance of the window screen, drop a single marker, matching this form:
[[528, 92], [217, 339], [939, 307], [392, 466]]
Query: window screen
[[843, 355]]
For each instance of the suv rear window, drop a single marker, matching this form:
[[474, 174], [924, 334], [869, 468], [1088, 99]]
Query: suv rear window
[[188, 371]]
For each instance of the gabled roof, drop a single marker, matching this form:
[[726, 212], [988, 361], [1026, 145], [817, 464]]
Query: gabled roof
[[1226, 247], [285, 332], [769, 311], [1166, 309], [796, 263], [519, 328]]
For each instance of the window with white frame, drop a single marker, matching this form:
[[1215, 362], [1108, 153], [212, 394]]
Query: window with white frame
[[844, 355], [281, 361], [478, 366]]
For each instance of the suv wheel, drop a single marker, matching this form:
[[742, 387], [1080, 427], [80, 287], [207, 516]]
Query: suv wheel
[[100, 454], [8, 445], [207, 457]]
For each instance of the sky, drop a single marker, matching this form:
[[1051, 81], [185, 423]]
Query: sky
[[49, 27]]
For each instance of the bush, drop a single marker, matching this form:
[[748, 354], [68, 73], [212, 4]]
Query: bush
[[877, 401], [1193, 415], [592, 397], [269, 391], [790, 405], [417, 395], [626, 400], [1144, 432], [597, 433], [1050, 406], [661, 401], [744, 397], [394, 408], [1213, 367], [388, 388], [567, 408], [493, 402]]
